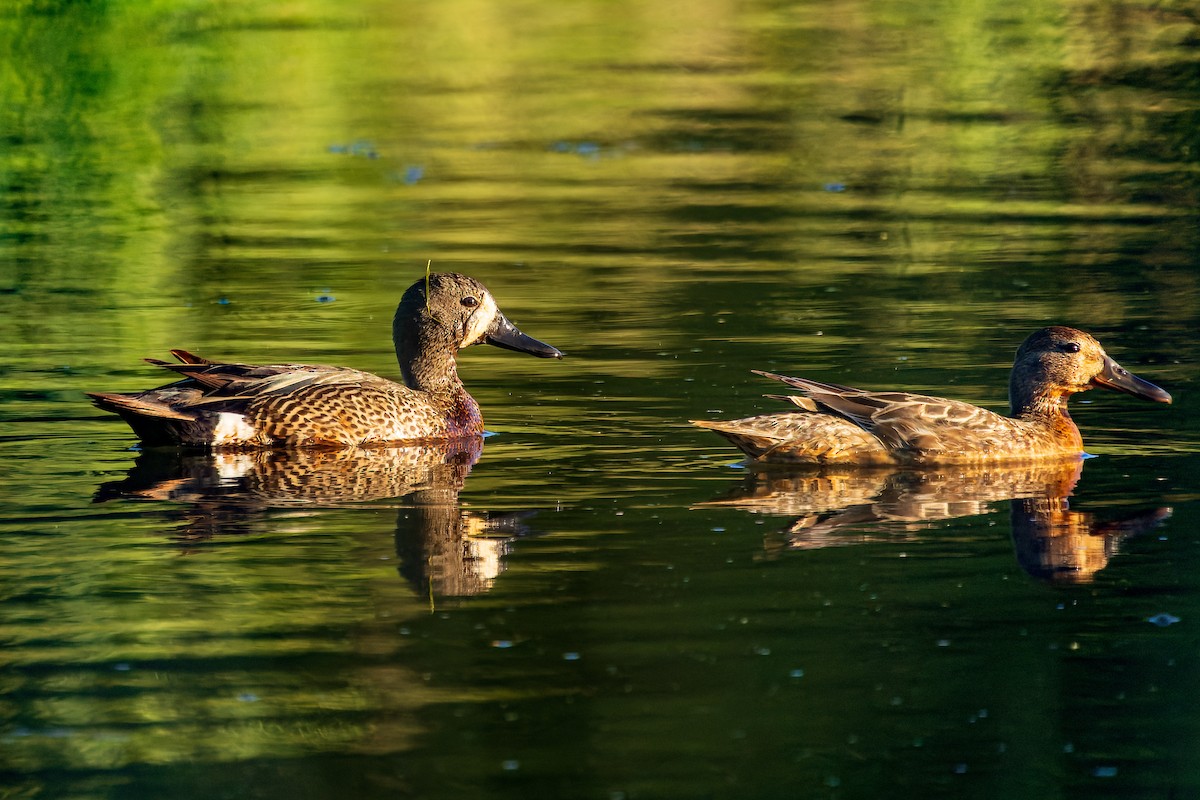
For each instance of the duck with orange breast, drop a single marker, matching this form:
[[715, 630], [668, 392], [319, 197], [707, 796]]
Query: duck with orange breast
[[835, 424]]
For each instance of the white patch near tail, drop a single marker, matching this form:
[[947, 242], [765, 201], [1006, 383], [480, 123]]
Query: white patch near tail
[[232, 429]]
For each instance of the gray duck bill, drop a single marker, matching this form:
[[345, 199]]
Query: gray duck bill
[[1119, 379], [504, 334]]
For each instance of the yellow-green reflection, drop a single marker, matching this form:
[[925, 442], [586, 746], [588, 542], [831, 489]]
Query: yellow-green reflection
[[888, 194]]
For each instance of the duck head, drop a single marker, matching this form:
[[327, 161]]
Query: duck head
[[1057, 362], [440, 315]]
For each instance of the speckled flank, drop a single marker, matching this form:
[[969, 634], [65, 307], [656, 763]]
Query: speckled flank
[[801, 438], [842, 425], [376, 411], [243, 406]]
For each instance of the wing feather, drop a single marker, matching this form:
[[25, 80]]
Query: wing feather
[[901, 420]]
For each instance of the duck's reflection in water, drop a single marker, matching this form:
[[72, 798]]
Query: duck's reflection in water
[[1057, 544], [855, 506], [447, 552], [444, 550]]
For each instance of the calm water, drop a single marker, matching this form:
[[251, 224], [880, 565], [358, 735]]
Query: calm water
[[601, 602]]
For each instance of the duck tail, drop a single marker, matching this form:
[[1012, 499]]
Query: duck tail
[[153, 421], [746, 438], [128, 405], [191, 358]]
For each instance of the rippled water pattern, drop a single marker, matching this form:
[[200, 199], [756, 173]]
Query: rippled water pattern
[[601, 600]]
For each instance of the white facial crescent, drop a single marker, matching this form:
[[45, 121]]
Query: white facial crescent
[[481, 320]]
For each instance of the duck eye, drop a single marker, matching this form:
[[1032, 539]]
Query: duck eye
[[1071, 347], [470, 302]]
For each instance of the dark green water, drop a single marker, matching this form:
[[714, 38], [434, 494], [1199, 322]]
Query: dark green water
[[604, 605]]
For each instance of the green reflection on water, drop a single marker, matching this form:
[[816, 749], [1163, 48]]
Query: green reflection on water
[[888, 194]]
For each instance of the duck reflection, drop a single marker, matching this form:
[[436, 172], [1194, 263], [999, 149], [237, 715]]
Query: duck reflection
[[855, 506], [443, 549]]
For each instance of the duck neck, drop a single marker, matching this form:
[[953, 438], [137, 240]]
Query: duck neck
[[1029, 397], [1048, 412], [426, 360], [1039, 406]]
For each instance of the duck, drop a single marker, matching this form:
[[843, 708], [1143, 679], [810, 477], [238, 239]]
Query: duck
[[222, 405], [835, 424]]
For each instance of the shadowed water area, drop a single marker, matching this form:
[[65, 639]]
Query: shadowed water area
[[599, 600]]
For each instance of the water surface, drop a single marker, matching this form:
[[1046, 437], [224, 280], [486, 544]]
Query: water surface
[[601, 602]]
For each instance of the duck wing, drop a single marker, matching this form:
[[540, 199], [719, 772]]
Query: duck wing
[[224, 384], [905, 421]]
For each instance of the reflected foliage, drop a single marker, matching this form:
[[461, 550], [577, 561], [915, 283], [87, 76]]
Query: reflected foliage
[[889, 193]]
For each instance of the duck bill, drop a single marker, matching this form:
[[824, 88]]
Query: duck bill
[[1119, 379], [504, 334]]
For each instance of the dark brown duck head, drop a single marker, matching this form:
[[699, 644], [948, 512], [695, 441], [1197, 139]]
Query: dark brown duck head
[[1057, 362], [440, 315]]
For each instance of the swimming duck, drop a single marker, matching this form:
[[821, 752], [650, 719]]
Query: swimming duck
[[841, 425], [225, 405]]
